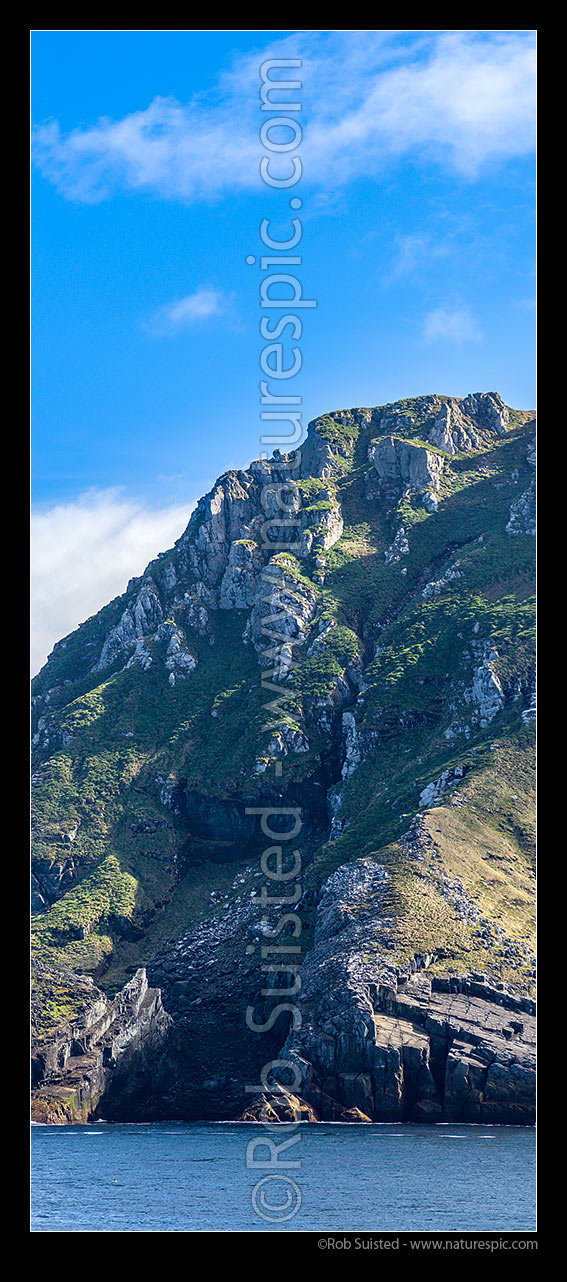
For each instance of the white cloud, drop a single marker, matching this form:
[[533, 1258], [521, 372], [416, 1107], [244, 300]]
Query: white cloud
[[201, 305], [464, 99], [454, 324], [83, 553]]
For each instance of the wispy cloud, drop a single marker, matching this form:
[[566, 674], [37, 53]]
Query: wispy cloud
[[84, 552], [464, 99], [199, 306], [451, 324], [414, 252]]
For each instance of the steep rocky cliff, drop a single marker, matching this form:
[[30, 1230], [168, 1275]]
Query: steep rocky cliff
[[344, 634]]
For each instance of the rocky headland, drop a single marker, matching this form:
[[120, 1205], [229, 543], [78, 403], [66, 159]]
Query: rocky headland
[[343, 635]]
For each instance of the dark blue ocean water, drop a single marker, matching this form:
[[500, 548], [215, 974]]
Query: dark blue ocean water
[[186, 1177]]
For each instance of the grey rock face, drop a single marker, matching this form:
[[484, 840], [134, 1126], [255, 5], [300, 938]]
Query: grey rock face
[[322, 453], [221, 518], [488, 411], [319, 457], [358, 742], [105, 1049], [323, 631], [49, 880], [398, 549], [396, 1044], [328, 527], [430, 502], [400, 463], [170, 794], [141, 658], [239, 584], [523, 513], [452, 431], [179, 661], [138, 621], [437, 787], [348, 889], [436, 587], [486, 693], [530, 713], [217, 561], [281, 618], [287, 740], [459, 425], [194, 610]]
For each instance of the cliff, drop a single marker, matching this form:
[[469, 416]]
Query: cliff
[[347, 633]]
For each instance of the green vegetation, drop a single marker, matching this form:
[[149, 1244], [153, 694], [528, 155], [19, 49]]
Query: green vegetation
[[67, 935], [315, 677]]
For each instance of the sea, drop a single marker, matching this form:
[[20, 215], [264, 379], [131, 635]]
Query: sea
[[177, 1177]]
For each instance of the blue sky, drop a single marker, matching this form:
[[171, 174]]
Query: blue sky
[[418, 244]]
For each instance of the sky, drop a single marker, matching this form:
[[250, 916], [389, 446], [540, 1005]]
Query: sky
[[418, 247]]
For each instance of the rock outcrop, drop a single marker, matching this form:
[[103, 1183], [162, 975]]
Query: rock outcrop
[[453, 431], [464, 425], [488, 411], [400, 464], [106, 1049]]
